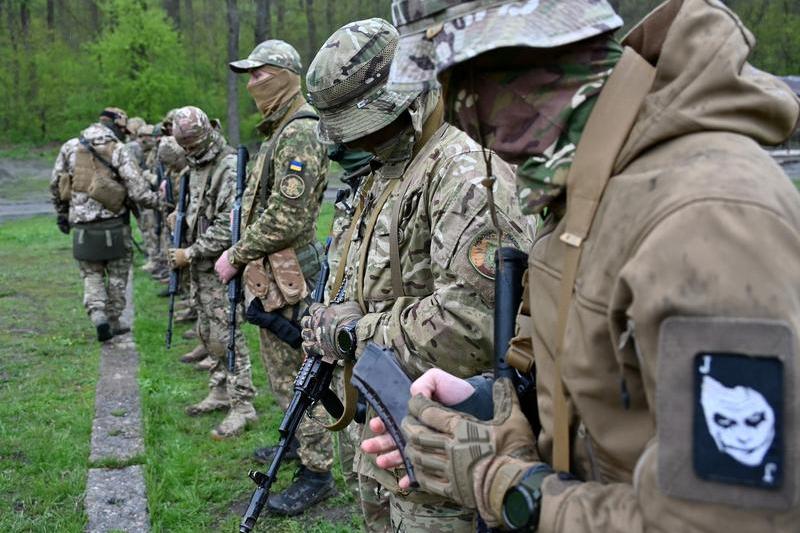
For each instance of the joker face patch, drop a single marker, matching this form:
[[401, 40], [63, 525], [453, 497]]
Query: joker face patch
[[737, 426]]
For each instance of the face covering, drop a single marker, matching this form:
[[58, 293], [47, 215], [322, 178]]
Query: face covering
[[398, 149], [534, 116], [275, 91]]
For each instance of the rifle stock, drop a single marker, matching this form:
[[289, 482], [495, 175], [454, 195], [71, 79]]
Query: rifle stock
[[235, 285], [177, 241], [311, 385]]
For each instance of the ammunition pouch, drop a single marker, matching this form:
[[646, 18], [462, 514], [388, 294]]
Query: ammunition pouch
[[279, 280], [109, 192], [104, 240], [64, 187], [285, 329]]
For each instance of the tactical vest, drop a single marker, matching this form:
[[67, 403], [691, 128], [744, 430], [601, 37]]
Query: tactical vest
[[88, 168]]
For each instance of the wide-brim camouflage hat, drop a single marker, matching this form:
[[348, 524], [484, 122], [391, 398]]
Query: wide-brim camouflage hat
[[437, 34], [271, 52], [346, 81]]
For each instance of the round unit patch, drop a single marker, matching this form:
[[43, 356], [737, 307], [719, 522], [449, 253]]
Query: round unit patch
[[292, 186], [482, 251]]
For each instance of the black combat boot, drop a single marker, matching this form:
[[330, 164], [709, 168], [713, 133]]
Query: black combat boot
[[104, 332], [265, 455], [308, 489]]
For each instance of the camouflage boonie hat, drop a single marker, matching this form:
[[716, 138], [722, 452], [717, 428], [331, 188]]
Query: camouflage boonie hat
[[134, 123], [437, 34], [346, 81], [272, 52], [192, 129]]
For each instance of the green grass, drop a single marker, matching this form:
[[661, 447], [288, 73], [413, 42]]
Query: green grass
[[29, 151], [48, 370], [193, 482], [27, 188]]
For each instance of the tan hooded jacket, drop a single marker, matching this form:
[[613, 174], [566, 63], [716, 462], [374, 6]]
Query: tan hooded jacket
[[698, 222]]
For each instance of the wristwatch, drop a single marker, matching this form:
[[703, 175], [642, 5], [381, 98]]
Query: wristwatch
[[346, 340], [522, 502]]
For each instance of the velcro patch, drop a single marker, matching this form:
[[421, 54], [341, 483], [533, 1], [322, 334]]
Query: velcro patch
[[292, 186], [482, 250], [725, 409], [296, 166]]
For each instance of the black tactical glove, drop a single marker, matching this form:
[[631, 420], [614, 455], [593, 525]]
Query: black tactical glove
[[62, 221]]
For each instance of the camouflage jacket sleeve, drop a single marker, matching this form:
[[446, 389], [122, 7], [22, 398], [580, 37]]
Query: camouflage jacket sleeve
[[452, 327], [219, 202], [299, 177], [138, 188], [60, 168]]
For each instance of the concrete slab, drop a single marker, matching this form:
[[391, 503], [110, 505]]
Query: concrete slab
[[116, 500]]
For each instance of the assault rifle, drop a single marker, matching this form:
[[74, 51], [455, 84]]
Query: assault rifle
[[311, 385], [235, 285], [177, 241], [159, 216]]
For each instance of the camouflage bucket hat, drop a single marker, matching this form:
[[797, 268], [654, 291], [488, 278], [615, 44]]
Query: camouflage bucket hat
[[437, 34], [272, 52], [192, 129], [346, 81]]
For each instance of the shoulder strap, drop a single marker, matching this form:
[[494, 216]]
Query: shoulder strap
[[606, 131], [266, 172], [97, 156], [398, 289]]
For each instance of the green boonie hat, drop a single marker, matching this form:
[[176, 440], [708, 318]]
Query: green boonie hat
[[346, 81], [437, 34], [272, 52]]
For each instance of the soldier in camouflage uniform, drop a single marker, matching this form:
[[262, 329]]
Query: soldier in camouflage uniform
[[212, 186], [147, 217], [133, 144], [659, 319], [417, 269], [92, 180], [280, 210]]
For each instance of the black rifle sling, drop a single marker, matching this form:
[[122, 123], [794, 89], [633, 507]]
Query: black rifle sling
[[265, 180]]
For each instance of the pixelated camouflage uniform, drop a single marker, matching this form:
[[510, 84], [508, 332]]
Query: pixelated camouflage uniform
[[279, 223], [104, 304], [212, 188], [443, 315]]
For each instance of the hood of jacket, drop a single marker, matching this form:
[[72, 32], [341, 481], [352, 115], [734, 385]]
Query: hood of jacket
[[703, 80]]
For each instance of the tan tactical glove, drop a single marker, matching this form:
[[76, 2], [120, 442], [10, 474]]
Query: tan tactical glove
[[322, 324], [179, 258], [467, 460]]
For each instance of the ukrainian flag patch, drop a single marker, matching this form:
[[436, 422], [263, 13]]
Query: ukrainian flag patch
[[295, 166]]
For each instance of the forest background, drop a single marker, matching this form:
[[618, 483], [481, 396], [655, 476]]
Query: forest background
[[62, 61]]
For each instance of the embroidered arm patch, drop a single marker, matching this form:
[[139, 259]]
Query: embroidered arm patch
[[725, 411]]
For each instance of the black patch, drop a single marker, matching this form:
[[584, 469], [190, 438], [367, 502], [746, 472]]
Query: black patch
[[738, 419]]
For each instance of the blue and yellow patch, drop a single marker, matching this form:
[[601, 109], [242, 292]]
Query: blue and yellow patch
[[296, 166]]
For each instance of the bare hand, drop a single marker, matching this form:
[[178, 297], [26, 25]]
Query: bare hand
[[435, 384], [224, 269]]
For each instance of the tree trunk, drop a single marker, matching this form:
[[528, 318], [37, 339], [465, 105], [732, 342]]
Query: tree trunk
[[263, 30], [51, 15], [233, 55], [330, 14], [312, 30], [281, 12], [173, 9], [188, 9]]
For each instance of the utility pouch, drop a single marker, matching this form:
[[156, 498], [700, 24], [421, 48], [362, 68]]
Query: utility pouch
[[277, 281], [288, 275], [109, 192], [65, 187], [101, 241]]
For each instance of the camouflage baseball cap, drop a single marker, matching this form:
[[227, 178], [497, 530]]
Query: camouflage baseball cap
[[116, 116], [346, 81], [437, 34], [272, 52], [147, 129], [192, 129]]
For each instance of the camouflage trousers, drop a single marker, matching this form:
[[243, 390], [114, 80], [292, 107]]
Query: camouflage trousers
[[104, 285], [382, 501], [211, 300], [147, 227], [282, 362]]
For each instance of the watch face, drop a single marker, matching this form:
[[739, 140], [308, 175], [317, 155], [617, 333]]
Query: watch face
[[520, 507]]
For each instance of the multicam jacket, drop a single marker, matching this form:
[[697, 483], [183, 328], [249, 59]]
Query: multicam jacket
[[446, 256], [212, 190], [82, 208], [65, 162], [288, 217]]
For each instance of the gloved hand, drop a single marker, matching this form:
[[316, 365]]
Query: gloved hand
[[171, 220], [467, 460], [179, 258], [322, 324], [62, 221]]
